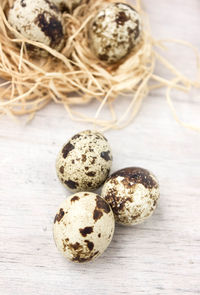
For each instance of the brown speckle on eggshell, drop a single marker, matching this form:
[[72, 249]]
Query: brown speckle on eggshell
[[132, 194]]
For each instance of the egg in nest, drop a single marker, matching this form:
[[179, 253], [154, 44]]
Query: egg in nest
[[132, 194], [83, 227], [114, 32], [38, 20]]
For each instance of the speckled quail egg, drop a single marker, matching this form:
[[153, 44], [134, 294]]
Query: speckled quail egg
[[38, 20], [84, 162], [67, 5], [83, 227], [132, 194], [114, 32]]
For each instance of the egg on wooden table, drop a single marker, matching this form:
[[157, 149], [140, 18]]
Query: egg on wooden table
[[83, 227], [132, 194], [84, 162], [67, 5], [38, 20], [114, 32]]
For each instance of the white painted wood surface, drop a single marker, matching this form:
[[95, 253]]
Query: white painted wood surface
[[161, 256]]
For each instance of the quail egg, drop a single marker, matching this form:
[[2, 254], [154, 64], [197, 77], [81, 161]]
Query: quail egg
[[132, 194], [84, 162], [83, 227], [114, 32], [68, 5], [38, 20]]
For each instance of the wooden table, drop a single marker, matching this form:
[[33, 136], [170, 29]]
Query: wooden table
[[160, 256]]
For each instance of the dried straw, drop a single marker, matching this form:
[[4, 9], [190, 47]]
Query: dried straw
[[30, 84]]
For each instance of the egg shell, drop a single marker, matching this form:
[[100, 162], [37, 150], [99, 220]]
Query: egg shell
[[83, 227], [67, 5], [84, 162], [38, 20], [114, 32], [132, 194]]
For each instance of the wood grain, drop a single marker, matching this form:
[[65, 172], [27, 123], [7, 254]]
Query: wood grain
[[161, 256]]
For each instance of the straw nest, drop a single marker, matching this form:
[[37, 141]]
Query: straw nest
[[30, 84]]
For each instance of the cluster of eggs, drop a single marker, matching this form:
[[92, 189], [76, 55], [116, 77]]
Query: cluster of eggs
[[112, 34], [84, 223]]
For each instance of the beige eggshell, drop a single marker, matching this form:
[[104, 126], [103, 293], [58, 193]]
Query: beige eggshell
[[84, 161], [132, 194], [83, 227]]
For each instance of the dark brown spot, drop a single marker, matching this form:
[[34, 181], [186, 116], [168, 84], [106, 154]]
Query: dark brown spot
[[86, 231], [101, 204], [103, 57], [75, 246], [73, 161], [107, 47], [23, 4], [64, 8], [86, 194], [93, 160], [91, 173], [76, 136], [99, 235], [75, 198], [51, 27], [121, 18], [97, 214], [106, 156], [66, 149], [130, 31], [91, 150], [90, 245], [98, 137], [136, 175], [154, 203], [71, 184], [137, 30], [59, 216], [81, 259], [86, 168], [61, 169], [89, 184], [84, 158]]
